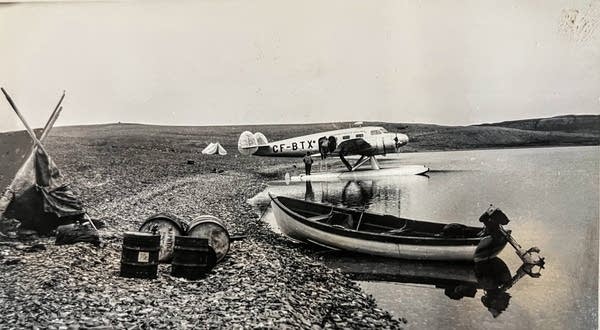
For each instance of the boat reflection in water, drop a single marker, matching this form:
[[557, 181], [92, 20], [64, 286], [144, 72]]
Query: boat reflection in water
[[355, 193], [360, 194], [458, 280]]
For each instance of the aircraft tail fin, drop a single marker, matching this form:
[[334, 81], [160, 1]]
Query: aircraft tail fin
[[249, 142], [261, 139]]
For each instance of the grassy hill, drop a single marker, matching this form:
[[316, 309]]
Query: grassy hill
[[568, 123], [500, 135]]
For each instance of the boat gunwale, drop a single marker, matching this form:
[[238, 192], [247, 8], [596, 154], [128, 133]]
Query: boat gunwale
[[382, 237]]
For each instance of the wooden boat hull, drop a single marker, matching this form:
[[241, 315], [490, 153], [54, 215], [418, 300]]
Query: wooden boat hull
[[417, 248]]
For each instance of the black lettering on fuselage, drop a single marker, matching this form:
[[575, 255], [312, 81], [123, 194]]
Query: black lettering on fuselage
[[310, 144], [281, 147], [294, 146], [302, 143], [275, 148]]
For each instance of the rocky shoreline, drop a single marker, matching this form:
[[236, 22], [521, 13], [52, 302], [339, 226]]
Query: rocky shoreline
[[265, 282]]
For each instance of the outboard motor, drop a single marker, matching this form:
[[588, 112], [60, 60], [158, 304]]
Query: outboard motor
[[493, 219]]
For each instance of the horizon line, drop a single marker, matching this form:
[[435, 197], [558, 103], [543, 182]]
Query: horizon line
[[307, 123]]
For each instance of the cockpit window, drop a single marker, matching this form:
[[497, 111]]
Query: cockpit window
[[346, 137], [359, 135], [375, 132]]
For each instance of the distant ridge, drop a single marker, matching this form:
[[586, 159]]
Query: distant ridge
[[566, 123], [567, 130]]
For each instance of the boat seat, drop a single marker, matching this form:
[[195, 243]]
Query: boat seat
[[335, 219], [402, 230], [341, 219], [398, 231], [320, 218], [339, 227]]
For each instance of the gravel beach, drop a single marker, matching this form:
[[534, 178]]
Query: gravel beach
[[125, 173]]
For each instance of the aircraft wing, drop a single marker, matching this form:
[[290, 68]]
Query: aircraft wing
[[355, 146]]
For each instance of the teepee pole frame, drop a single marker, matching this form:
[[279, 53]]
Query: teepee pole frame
[[53, 117], [8, 196], [27, 127]]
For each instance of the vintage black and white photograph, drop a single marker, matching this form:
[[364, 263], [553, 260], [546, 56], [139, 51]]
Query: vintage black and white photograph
[[279, 164]]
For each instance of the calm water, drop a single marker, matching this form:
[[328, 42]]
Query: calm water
[[551, 196]]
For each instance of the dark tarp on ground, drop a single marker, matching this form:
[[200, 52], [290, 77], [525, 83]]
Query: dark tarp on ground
[[75, 233], [41, 201]]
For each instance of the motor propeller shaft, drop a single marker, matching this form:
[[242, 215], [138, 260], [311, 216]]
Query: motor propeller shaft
[[493, 219]]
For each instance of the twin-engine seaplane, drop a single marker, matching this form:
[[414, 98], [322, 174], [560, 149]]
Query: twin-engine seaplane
[[366, 142]]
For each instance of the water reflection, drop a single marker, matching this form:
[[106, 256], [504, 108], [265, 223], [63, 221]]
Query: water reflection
[[309, 194], [491, 278], [360, 194], [383, 196], [532, 186], [354, 193]]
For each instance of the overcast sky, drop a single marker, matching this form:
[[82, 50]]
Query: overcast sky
[[274, 61]]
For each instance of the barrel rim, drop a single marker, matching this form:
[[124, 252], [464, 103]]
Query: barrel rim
[[140, 248], [139, 234], [215, 220], [189, 238], [140, 264], [192, 224], [179, 222], [208, 216]]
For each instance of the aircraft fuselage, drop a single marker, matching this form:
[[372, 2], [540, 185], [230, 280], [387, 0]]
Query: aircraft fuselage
[[346, 141]]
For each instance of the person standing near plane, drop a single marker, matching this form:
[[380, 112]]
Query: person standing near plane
[[307, 163]]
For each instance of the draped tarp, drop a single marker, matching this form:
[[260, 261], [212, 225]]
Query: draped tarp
[[38, 197]]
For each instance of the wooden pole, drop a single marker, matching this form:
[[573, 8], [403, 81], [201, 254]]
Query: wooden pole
[[50, 124], [27, 127], [53, 117], [87, 217]]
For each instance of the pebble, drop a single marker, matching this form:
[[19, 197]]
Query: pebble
[[265, 281]]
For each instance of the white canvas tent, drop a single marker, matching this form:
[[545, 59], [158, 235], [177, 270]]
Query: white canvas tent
[[214, 148]]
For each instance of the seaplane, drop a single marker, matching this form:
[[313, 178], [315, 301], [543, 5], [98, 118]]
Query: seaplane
[[365, 142]]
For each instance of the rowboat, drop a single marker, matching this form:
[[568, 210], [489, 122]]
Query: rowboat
[[359, 231]]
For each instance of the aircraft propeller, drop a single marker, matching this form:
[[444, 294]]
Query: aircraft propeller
[[397, 142]]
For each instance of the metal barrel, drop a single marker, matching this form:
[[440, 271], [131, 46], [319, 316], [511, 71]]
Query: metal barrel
[[192, 257], [167, 226], [139, 256], [213, 229]]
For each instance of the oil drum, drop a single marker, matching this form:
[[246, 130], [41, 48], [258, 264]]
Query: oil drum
[[139, 256], [213, 229], [167, 226], [192, 257]]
